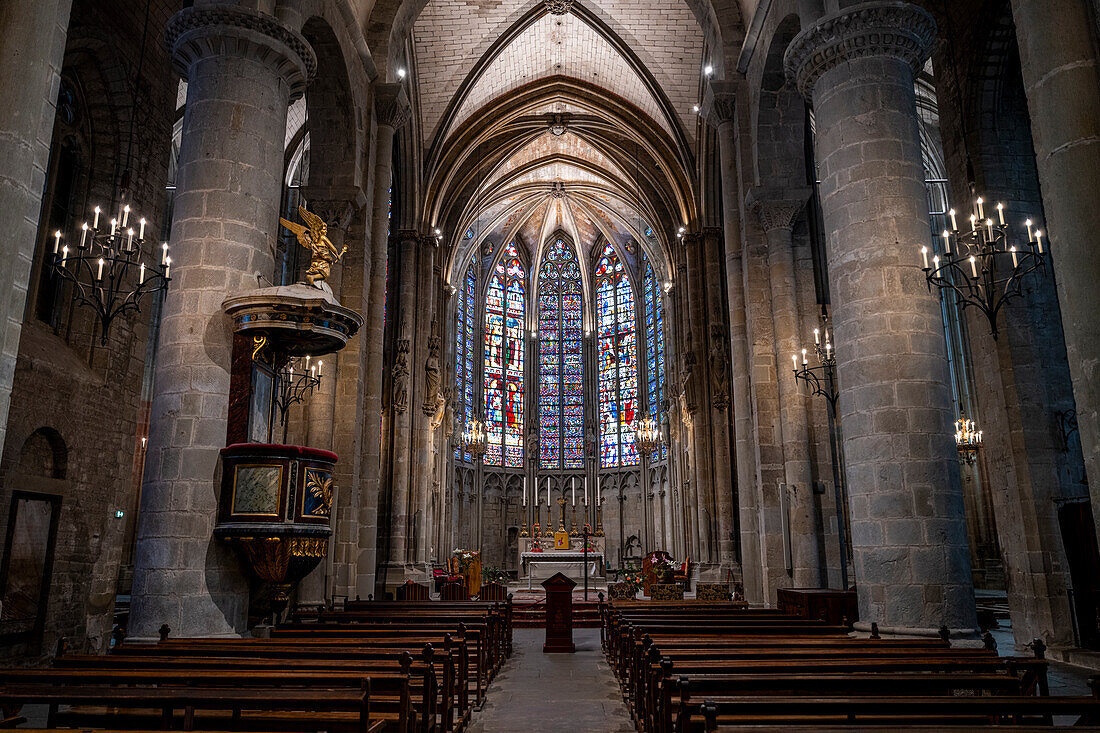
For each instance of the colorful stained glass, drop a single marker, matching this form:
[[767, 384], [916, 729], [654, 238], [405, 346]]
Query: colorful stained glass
[[561, 391], [465, 317], [617, 362], [505, 303], [655, 345]]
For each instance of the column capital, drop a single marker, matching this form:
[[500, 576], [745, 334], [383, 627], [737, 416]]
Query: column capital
[[229, 30], [719, 105], [885, 28], [407, 236], [391, 105], [777, 207], [335, 206]]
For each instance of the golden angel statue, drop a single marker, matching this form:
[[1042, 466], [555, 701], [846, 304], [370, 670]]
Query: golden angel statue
[[314, 237]]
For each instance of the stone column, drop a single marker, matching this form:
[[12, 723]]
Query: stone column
[[908, 530], [392, 111], [29, 75], [427, 359], [328, 404], [720, 108], [405, 357], [243, 68], [777, 211], [718, 361], [1061, 72], [696, 375]]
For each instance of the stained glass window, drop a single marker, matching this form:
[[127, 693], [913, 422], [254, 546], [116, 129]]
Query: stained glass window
[[561, 391], [655, 344], [465, 318], [617, 359], [505, 302]]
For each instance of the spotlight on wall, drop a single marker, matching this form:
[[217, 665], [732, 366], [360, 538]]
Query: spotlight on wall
[[695, 108], [708, 70], [438, 233], [401, 73], [668, 285]]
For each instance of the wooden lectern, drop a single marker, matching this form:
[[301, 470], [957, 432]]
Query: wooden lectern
[[559, 614]]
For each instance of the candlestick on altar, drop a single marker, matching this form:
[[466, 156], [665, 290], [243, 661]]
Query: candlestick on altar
[[599, 519], [573, 522], [561, 517], [525, 495], [573, 489]]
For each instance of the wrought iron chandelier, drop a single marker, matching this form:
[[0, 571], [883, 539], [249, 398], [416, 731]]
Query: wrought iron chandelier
[[110, 268], [821, 378], [474, 438], [648, 435], [297, 379], [983, 266], [968, 439]]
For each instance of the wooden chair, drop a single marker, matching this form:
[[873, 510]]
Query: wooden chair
[[492, 592], [411, 591], [453, 592]]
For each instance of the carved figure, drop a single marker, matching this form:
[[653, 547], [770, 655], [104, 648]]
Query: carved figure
[[401, 377], [314, 237], [719, 368], [431, 376]]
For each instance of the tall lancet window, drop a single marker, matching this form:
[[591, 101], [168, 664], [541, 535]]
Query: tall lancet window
[[505, 301], [655, 343], [465, 318], [617, 360], [561, 392]]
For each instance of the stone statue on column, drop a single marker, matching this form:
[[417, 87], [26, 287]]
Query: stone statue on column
[[688, 402], [401, 377], [719, 368], [431, 377]]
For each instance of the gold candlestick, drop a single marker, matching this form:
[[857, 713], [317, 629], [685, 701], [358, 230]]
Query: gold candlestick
[[599, 520], [523, 529], [573, 523], [561, 517], [549, 523]]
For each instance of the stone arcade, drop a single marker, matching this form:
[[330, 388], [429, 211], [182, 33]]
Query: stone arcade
[[579, 243]]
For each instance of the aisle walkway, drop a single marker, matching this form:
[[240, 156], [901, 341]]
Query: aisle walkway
[[549, 693]]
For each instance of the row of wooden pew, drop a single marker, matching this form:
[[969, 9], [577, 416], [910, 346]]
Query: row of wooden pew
[[372, 667], [687, 666]]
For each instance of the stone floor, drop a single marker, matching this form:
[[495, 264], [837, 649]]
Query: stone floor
[[549, 693]]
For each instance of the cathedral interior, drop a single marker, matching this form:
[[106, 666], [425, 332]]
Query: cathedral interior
[[314, 302]]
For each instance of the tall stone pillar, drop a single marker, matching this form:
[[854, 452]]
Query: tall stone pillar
[[908, 530], [777, 211], [392, 111], [405, 357], [29, 75], [243, 68], [720, 108], [427, 372], [696, 375], [1061, 72]]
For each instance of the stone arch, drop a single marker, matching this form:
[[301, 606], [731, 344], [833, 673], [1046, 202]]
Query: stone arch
[[780, 116], [44, 455], [334, 159]]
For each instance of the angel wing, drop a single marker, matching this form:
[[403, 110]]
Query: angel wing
[[298, 229], [316, 224]]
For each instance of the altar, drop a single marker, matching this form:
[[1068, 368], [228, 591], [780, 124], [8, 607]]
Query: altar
[[570, 563]]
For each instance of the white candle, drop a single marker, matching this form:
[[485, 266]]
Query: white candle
[[804, 362], [1039, 240], [1013, 251], [973, 266], [794, 358], [129, 238], [64, 254], [547, 494], [313, 372], [319, 365], [586, 491], [141, 228], [924, 254], [1030, 236], [828, 349], [946, 242], [573, 490], [164, 253], [141, 274], [114, 225], [125, 214], [525, 491], [954, 224], [167, 268], [1001, 213], [935, 262], [981, 208], [817, 335], [598, 491], [99, 275], [56, 241], [973, 223], [989, 228], [83, 234]]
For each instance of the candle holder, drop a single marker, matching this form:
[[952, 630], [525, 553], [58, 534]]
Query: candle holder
[[523, 528], [984, 269], [573, 523], [549, 523], [109, 268], [561, 517], [599, 520], [821, 378]]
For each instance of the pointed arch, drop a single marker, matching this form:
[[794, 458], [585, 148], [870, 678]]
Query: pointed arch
[[561, 358], [465, 366], [617, 361], [505, 305]]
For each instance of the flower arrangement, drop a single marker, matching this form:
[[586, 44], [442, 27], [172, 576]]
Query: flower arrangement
[[631, 574]]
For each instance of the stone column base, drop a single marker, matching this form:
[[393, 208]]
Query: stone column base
[[862, 629]]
